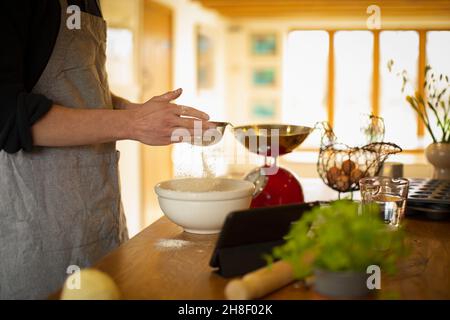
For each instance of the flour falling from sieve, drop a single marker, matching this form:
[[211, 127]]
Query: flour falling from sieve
[[195, 161], [208, 171]]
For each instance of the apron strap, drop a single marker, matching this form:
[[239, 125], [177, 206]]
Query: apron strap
[[99, 5], [64, 4]]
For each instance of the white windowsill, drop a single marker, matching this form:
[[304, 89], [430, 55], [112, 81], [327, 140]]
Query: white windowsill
[[303, 164]]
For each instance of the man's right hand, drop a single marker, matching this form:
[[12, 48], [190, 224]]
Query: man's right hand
[[154, 121]]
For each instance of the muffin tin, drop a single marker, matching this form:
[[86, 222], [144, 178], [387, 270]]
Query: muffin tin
[[429, 191], [430, 197]]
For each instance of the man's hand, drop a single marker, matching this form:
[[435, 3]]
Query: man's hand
[[154, 122]]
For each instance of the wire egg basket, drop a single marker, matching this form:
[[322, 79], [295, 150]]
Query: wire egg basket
[[341, 166]]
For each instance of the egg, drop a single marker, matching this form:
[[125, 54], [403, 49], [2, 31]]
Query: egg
[[356, 175], [332, 174], [348, 166], [342, 183]]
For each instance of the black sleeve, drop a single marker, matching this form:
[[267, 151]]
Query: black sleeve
[[19, 109]]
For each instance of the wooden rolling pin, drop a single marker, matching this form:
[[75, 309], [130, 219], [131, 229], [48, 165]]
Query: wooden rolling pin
[[261, 282]]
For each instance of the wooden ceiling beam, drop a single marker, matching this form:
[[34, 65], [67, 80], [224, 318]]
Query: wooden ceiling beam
[[313, 2], [254, 8]]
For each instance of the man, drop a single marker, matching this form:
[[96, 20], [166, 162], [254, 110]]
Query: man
[[59, 193]]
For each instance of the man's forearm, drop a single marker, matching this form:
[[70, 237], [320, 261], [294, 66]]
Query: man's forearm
[[63, 126], [152, 123]]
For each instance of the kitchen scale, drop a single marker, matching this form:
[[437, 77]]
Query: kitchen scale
[[274, 185], [430, 197]]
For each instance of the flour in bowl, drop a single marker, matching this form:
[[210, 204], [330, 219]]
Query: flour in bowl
[[198, 185]]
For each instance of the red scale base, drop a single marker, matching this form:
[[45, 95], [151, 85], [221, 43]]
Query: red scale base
[[276, 189]]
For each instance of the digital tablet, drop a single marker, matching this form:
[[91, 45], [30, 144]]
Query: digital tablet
[[249, 234]]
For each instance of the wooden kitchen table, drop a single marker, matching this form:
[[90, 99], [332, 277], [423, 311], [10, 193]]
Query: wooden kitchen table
[[163, 262]]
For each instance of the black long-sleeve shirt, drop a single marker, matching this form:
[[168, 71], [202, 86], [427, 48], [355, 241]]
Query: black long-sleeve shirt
[[28, 31]]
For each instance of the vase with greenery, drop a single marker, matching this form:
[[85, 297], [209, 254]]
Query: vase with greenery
[[337, 244], [433, 107]]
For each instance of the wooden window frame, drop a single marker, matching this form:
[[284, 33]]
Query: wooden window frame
[[375, 98]]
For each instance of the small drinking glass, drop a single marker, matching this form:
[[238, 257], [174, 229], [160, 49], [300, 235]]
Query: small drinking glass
[[389, 193]]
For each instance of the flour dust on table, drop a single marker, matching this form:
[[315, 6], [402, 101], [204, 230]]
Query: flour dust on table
[[171, 244]]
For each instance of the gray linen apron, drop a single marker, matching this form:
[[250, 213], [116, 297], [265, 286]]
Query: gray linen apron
[[61, 206]]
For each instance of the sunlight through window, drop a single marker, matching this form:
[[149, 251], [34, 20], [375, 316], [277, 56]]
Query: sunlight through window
[[438, 53], [353, 83], [306, 79], [400, 119]]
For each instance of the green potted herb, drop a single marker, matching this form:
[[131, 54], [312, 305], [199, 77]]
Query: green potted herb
[[433, 106], [337, 244]]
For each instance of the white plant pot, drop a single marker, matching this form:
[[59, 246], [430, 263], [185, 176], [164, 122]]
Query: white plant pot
[[438, 154]]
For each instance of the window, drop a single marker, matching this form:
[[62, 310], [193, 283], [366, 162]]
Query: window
[[400, 119], [353, 75], [120, 56], [306, 79], [437, 55], [340, 75]]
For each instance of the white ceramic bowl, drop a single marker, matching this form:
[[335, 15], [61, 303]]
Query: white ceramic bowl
[[200, 205]]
